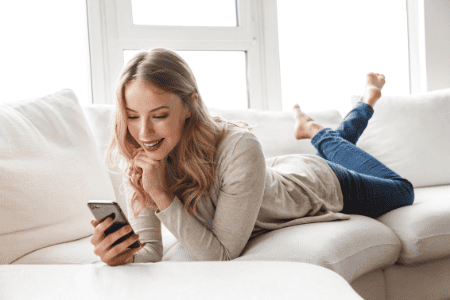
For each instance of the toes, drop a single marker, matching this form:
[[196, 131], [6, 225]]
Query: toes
[[296, 112], [375, 77], [372, 74]]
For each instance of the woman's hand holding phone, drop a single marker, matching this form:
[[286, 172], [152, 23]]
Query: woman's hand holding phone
[[118, 255]]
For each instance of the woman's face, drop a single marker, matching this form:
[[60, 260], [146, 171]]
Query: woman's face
[[147, 123]]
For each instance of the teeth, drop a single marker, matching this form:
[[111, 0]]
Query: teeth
[[151, 145]]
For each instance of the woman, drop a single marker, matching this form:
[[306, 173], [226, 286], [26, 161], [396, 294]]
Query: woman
[[207, 179]]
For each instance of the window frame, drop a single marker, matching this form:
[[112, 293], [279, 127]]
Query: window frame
[[257, 34], [111, 32], [415, 14]]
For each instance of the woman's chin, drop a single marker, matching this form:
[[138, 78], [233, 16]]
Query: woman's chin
[[156, 155]]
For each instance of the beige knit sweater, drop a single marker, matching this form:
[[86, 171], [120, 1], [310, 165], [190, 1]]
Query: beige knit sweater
[[255, 195]]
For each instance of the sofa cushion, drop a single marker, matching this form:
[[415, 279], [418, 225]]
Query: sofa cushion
[[50, 168], [216, 280], [409, 134], [350, 248], [75, 252], [81, 251], [423, 228], [275, 129]]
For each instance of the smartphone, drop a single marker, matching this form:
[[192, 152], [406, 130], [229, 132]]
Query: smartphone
[[102, 209]]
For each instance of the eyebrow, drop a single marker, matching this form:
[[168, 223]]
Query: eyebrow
[[151, 110]]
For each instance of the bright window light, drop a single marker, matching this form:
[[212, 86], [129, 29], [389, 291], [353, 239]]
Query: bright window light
[[44, 49], [327, 47], [187, 13], [220, 76]]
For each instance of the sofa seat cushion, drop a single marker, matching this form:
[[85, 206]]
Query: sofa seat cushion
[[80, 251], [49, 168], [423, 228], [351, 248], [165, 280]]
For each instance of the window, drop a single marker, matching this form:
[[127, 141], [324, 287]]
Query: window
[[264, 55], [187, 13], [328, 47], [224, 51], [45, 49], [220, 75]]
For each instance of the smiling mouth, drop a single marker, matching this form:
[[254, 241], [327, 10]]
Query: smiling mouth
[[154, 144]]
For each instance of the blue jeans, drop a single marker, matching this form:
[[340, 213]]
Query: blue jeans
[[369, 187]]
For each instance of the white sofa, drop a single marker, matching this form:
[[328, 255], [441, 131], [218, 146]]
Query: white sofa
[[52, 162]]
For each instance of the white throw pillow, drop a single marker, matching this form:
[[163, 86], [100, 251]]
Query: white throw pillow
[[410, 135], [49, 168]]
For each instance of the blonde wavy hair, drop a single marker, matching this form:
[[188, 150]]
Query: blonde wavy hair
[[192, 166]]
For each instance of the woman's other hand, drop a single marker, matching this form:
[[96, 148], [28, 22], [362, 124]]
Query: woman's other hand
[[153, 173]]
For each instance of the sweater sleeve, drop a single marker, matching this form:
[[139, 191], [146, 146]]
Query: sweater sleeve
[[148, 226], [239, 200]]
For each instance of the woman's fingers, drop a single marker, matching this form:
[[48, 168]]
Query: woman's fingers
[[124, 257], [99, 231], [106, 243], [120, 254]]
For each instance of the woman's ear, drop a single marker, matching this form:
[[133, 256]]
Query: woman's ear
[[194, 97]]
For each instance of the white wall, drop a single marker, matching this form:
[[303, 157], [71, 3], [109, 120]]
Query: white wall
[[437, 43]]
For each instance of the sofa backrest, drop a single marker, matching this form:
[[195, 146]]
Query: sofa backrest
[[99, 119], [410, 134]]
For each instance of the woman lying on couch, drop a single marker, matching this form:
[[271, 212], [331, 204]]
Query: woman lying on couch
[[182, 161]]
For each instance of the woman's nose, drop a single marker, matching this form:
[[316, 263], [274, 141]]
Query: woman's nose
[[146, 129]]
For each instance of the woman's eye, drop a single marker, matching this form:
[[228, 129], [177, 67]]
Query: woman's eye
[[156, 117]]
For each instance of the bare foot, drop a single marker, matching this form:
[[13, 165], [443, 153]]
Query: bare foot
[[305, 127], [374, 84]]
